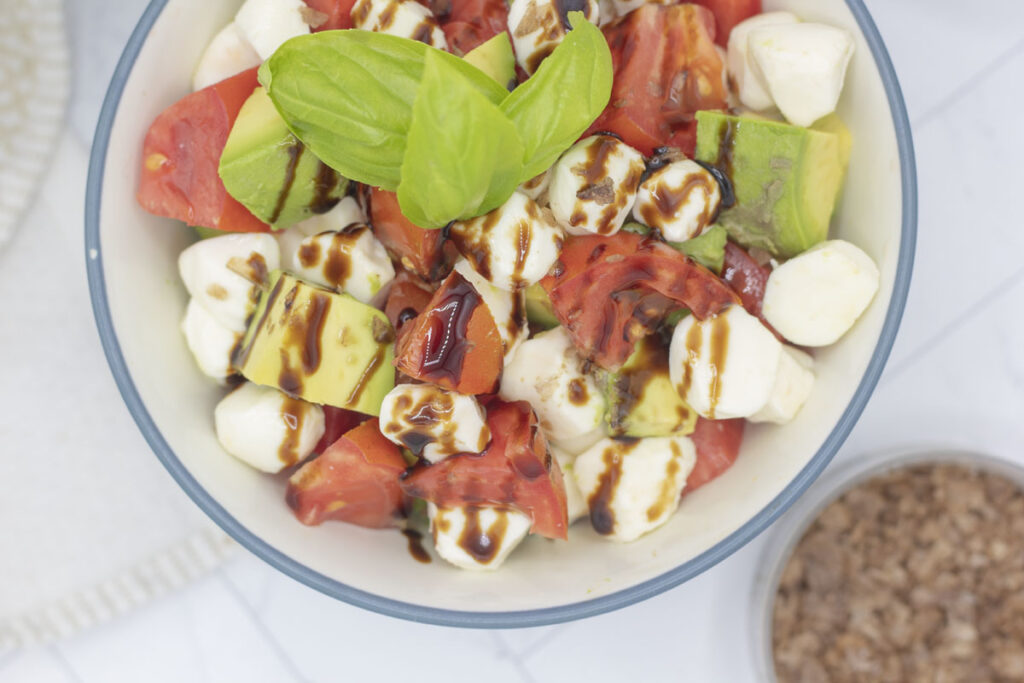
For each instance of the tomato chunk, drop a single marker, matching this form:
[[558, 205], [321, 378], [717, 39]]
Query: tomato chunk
[[718, 445], [337, 421], [181, 156], [666, 69], [409, 296], [728, 13], [339, 13], [454, 343], [516, 470], [609, 292], [468, 23], [355, 481], [421, 251]]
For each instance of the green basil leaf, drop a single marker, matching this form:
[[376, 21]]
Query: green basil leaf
[[463, 157], [348, 96], [708, 249], [569, 90]]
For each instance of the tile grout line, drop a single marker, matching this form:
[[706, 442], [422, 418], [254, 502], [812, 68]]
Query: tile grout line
[[8, 657], [64, 664], [505, 652], [543, 641]]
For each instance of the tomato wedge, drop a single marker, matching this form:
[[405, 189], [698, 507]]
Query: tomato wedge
[[421, 251], [339, 13], [337, 422], [468, 23], [718, 445], [516, 470], [408, 297], [748, 278], [181, 156], [609, 292], [666, 69], [454, 343], [355, 481], [728, 13]]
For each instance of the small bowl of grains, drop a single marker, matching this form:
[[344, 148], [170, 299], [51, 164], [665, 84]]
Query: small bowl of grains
[[907, 566]]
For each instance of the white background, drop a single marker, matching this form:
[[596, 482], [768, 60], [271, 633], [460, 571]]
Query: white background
[[956, 376]]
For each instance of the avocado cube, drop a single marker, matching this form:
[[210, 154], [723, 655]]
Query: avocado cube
[[642, 401], [495, 58], [539, 310]]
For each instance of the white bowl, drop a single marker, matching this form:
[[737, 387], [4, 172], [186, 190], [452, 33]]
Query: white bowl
[[138, 301]]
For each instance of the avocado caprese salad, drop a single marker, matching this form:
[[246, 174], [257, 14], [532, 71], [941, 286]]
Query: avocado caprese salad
[[496, 267]]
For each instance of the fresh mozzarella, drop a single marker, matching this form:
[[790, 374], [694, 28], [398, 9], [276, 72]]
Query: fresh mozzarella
[[432, 422], [803, 66], [750, 88], [266, 429], [537, 28], [507, 308], [491, 535], [793, 384], [268, 23], [680, 200], [547, 371], [402, 18], [512, 246], [633, 486], [594, 185], [575, 502], [222, 274], [210, 342], [813, 299], [227, 54], [351, 261], [536, 188], [724, 366], [345, 213]]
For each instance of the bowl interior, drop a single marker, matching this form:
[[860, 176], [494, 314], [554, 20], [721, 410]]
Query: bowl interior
[[139, 301]]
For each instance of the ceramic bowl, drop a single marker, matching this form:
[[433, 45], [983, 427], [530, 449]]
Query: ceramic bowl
[[138, 302]]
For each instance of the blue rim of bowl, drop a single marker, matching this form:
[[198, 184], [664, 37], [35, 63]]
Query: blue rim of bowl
[[524, 618]]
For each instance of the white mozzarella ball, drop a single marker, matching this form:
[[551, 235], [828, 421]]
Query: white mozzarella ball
[[793, 384], [507, 308], [513, 246], [227, 54], [680, 200], [266, 24], [352, 261], [594, 185], [210, 342], [538, 26], [547, 371], [803, 66], [633, 486], [724, 366], [574, 500], [222, 274], [266, 429], [750, 88], [402, 18], [536, 188], [813, 299], [432, 422], [345, 213], [477, 537]]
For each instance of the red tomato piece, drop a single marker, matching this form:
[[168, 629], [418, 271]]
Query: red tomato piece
[[666, 69], [355, 481], [421, 251], [609, 292], [718, 445], [516, 470], [408, 297], [748, 278], [468, 23], [339, 13], [728, 13], [337, 422], [181, 156], [454, 343]]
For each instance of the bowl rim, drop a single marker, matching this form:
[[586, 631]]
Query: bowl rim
[[500, 619]]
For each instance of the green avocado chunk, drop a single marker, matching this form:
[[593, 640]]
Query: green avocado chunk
[[641, 398], [320, 346], [267, 170], [495, 58], [786, 179], [539, 310]]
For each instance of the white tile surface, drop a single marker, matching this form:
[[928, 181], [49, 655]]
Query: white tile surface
[[956, 376]]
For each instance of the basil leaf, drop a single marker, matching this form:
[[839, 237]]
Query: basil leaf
[[348, 96], [462, 155], [708, 249], [569, 90]]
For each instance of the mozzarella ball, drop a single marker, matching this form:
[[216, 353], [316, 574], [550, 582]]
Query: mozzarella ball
[[594, 185], [227, 54], [507, 308], [633, 486], [803, 66], [433, 423], [813, 299], [513, 246], [724, 366], [351, 261], [547, 371], [477, 537], [266, 429], [750, 87], [793, 384], [680, 200], [574, 500], [345, 213], [211, 343], [223, 274], [536, 188], [402, 18], [538, 26], [266, 24]]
